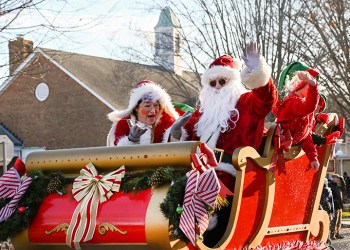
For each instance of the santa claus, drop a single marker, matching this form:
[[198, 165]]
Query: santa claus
[[233, 105], [147, 119]]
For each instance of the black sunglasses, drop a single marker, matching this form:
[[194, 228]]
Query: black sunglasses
[[221, 81]]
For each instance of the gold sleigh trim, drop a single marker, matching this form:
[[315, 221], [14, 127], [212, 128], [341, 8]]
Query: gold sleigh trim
[[102, 229]]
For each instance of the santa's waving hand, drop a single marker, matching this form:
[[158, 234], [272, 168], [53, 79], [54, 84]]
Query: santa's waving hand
[[252, 55]]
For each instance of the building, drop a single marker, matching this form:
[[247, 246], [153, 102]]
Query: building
[[56, 99]]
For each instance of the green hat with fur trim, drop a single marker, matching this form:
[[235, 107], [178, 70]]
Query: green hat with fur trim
[[288, 73]]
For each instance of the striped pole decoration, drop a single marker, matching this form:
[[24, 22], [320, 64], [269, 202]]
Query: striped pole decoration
[[9, 183], [90, 189], [9, 209], [201, 189]]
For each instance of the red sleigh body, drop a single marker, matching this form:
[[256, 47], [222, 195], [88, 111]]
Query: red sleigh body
[[270, 205]]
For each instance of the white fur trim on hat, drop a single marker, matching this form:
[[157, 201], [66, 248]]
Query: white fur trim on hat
[[136, 94], [216, 72], [258, 77]]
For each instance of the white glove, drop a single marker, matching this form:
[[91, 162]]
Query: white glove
[[252, 55], [135, 131]]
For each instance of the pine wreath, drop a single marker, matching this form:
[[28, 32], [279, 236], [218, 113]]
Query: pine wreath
[[30, 201], [173, 199], [46, 183], [138, 181]]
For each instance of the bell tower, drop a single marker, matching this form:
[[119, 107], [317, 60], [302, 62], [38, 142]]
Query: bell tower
[[167, 41]]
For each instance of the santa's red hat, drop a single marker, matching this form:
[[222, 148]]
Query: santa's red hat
[[149, 90], [223, 67]]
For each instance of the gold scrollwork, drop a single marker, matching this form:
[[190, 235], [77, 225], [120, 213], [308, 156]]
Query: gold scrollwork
[[61, 227], [106, 226]]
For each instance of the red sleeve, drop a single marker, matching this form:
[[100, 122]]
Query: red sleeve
[[311, 100], [189, 126], [262, 99], [309, 148], [293, 106], [122, 129]]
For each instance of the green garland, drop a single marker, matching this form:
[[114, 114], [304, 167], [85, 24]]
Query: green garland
[[45, 183], [170, 205], [30, 201]]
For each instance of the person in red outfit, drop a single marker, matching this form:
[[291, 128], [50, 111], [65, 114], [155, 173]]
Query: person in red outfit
[[146, 120], [230, 115], [296, 112]]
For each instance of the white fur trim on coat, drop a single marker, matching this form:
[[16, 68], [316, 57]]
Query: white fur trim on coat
[[166, 135], [111, 135], [144, 139], [124, 141], [210, 138], [258, 77], [184, 134], [226, 167]]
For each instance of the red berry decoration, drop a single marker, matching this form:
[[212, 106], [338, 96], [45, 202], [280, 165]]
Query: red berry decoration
[[21, 210]]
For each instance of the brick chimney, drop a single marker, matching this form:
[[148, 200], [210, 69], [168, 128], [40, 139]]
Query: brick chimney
[[19, 50]]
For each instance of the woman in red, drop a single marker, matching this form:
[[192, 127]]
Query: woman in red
[[146, 120]]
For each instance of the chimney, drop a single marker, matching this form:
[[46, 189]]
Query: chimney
[[19, 50]]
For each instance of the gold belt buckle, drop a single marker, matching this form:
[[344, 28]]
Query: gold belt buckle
[[220, 151]]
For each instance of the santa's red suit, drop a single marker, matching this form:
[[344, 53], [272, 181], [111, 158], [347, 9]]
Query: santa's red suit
[[296, 114], [159, 132], [253, 107], [244, 122]]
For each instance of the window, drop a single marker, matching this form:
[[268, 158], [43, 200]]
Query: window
[[42, 91]]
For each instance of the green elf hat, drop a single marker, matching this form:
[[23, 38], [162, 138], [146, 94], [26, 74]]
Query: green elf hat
[[322, 102], [288, 73]]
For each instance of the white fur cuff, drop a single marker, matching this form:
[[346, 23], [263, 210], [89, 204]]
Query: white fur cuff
[[124, 141], [166, 135], [184, 135], [257, 78], [226, 167]]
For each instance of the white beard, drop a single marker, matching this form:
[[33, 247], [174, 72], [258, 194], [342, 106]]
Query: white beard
[[218, 106]]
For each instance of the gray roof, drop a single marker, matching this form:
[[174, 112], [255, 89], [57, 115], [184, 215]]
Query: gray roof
[[113, 79], [12, 136], [167, 18]]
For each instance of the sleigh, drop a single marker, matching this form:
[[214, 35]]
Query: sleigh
[[273, 202]]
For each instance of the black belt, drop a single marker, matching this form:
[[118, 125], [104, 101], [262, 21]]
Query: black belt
[[225, 157]]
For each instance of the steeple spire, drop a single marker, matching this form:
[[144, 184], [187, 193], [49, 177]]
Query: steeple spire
[[167, 41]]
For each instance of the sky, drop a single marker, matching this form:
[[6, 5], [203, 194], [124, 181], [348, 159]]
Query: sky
[[92, 27]]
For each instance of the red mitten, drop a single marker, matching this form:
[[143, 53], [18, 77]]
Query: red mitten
[[198, 165], [341, 124], [210, 156], [19, 166], [332, 138], [323, 117]]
